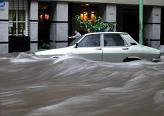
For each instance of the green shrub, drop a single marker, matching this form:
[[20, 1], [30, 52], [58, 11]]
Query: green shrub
[[97, 25]]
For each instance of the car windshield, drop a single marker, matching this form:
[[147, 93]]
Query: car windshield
[[75, 41]]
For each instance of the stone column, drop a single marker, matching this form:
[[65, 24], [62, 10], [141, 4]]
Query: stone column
[[33, 25], [59, 25], [4, 9], [152, 16], [110, 14]]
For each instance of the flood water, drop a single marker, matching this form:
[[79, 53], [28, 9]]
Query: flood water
[[73, 86]]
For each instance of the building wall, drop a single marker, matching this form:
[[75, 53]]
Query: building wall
[[146, 2], [152, 23], [59, 25], [4, 29], [152, 26], [110, 14]]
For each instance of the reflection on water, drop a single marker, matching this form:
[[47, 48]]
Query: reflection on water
[[72, 86]]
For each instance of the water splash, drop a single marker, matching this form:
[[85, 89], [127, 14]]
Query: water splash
[[74, 86]]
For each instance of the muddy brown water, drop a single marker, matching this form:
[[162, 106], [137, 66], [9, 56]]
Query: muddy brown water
[[73, 86]]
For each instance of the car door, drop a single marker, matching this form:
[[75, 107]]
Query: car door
[[90, 47], [115, 48], [135, 50]]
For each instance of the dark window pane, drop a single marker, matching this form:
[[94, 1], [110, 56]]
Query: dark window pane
[[90, 41], [21, 28], [12, 15], [21, 16], [113, 40], [12, 29]]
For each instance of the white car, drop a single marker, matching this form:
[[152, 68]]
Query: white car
[[106, 46]]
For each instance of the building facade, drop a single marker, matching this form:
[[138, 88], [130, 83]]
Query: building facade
[[29, 25]]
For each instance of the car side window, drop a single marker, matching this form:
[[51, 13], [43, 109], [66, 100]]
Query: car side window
[[90, 41], [113, 40]]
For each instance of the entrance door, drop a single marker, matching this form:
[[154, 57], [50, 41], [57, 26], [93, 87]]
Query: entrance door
[[131, 24], [128, 20], [43, 34]]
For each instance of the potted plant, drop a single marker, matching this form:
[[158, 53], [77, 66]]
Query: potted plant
[[96, 25]]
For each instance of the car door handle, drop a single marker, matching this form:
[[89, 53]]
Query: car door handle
[[98, 48], [125, 48]]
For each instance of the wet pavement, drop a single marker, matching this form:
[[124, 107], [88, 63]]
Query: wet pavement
[[73, 86]]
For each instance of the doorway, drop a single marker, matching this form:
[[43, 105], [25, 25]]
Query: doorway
[[86, 11], [43, 26], [128, 20], [162, 26]]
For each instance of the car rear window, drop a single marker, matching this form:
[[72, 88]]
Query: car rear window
[[113, 40]]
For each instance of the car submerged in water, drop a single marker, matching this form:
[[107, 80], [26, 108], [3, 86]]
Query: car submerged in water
[[106, 46]]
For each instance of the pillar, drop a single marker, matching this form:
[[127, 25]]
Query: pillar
[[152, 27], [33, 25], [110, 14], [59, 25], [4, 27]]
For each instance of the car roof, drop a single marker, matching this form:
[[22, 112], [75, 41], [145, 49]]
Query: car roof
[[106, 33]]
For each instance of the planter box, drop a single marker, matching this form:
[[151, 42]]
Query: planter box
[[19, 43]]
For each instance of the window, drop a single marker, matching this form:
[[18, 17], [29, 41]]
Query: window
[[113, 40], [90, 41], [17, 17], [16, 22]]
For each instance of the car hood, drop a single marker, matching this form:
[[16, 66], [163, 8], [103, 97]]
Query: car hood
[[59, 51]]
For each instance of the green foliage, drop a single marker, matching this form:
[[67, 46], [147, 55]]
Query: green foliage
[[94, 26]]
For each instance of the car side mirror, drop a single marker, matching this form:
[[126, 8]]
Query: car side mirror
[[76, 46]]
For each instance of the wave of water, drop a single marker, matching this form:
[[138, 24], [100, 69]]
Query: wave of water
[[73, 86]]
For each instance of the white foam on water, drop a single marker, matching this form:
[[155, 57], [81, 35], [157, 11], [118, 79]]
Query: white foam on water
[[75, 86]]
